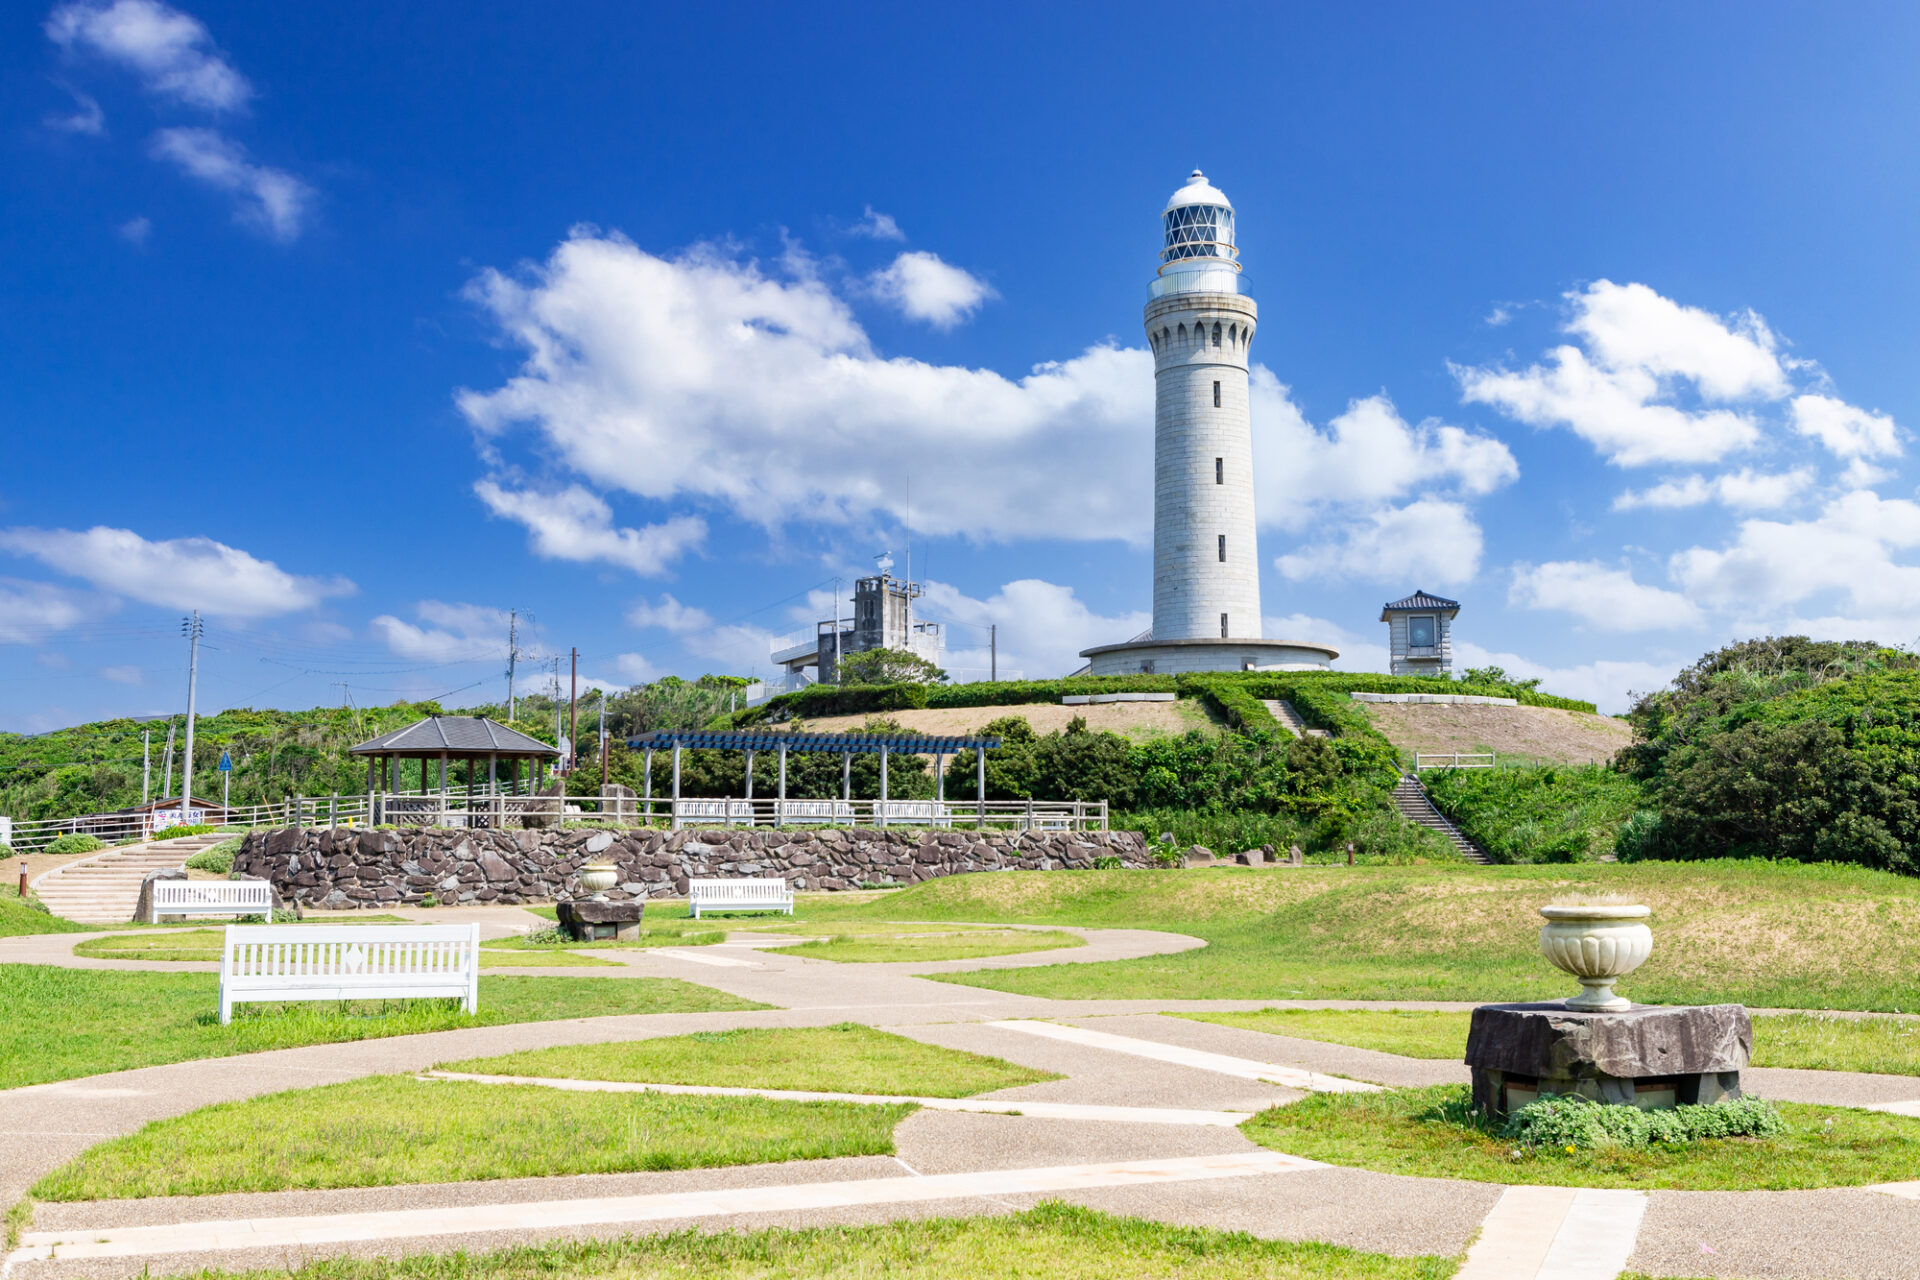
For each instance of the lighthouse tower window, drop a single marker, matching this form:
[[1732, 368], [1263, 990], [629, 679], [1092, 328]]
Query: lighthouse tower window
[[1216, 395]]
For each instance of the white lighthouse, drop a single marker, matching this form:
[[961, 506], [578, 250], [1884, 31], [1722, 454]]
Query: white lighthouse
[[1206, 559]]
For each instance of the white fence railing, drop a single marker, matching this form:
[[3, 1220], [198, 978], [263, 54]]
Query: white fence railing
[[506, 808], [1452, 760]]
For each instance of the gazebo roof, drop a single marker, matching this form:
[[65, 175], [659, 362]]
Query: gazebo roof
[[1419, 601], [839, 743], [455, 735]]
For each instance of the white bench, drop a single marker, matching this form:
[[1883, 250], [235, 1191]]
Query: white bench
[[931, 812], [795, 812], [211, 898], [739, 895], [278, 962], [726, 811]]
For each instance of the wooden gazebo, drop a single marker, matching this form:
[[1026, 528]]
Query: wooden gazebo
[[456, 740]]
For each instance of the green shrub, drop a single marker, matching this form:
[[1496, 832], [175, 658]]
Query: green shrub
[[1570, 1121], [1783, 748], [74, 842], [218, 859], [1556, 813], [1107, 862], [6, 851]]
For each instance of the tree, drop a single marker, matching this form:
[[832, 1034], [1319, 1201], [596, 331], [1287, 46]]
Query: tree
[[1497, 675], [889, 666]]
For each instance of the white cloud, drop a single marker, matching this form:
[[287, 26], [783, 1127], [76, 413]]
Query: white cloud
[[123, 675], [877, 226], [1368, 456], [31, 611], [1847, 550], [1846, 431], [1497, 317], [1429, 540], [1600, 595], [271, 201], [1743, 490], [181, 573], [135, 230], [1618, 392], [575, 524], [1610, 685], [1043, 626], [925, 288], [87, 118], [670, 616], [1632, 328], [767, 395], [171, 52], [453, 633]]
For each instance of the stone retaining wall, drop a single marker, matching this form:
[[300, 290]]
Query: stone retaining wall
[[343, 867]]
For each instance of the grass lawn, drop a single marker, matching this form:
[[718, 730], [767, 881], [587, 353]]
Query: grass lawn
[[206, 945], [64, 1023], [848, 1058], [1422, 1132], [17, 917], [1761, 934], [924, 942], [387, 1130], [1052, 1239], [1809, 1041]]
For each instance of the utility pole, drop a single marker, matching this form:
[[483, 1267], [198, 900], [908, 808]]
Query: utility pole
[[573, 709], [836, 631], [189, 627], [993, 651], [513, 653], [166, 777], [603, 743], [146, 765], [558, 725]]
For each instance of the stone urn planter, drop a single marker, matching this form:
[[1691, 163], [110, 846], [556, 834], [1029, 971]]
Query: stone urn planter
[[1599, 945], [598, 877]]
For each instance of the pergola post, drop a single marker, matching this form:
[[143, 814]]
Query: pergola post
[[676, 785], [882, 808], [980, 775], [648, 768], [749, 773], [940, 777], [779, 814], [846, 775]]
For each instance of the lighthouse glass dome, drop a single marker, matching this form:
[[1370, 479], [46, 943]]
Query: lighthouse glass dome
[[1199, 254]]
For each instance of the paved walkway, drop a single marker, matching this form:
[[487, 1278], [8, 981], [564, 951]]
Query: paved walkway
[[1139, 1124]]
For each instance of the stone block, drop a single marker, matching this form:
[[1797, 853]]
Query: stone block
[[1644, 1056], [1198, 856], [585, 920]]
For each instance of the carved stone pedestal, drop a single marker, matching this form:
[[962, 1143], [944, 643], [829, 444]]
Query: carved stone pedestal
[[606, 921], [1646, 1056]]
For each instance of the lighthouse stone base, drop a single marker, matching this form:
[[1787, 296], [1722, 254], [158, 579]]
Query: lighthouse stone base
[[1171, 657]]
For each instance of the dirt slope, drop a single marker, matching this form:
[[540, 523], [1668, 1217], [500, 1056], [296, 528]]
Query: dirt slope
[[1137, 720], [1543, 734]]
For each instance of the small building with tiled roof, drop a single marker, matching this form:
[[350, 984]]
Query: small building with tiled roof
[[1420, 634]]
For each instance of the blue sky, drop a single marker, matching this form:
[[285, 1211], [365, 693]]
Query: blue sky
[[357, 326]]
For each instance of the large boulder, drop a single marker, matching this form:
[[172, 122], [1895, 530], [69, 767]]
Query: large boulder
[[546, 807]]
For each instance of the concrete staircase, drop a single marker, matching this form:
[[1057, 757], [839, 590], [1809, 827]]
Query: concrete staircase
[[1290, 719], [105, 888], [1411, 799]]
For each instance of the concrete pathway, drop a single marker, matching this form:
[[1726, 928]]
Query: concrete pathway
[[1140, 1124]]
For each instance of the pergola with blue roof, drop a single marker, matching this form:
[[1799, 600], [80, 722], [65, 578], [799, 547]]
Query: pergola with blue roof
[[847, 745]]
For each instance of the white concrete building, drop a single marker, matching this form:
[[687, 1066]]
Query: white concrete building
[[1206, 558], [882, 618]]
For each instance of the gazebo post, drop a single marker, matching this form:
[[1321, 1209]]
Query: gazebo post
[[371, 762], [980, 771], [676, 784], [780, 813], [882, 808]]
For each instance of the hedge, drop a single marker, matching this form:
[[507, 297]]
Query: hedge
[[1319, 696]]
